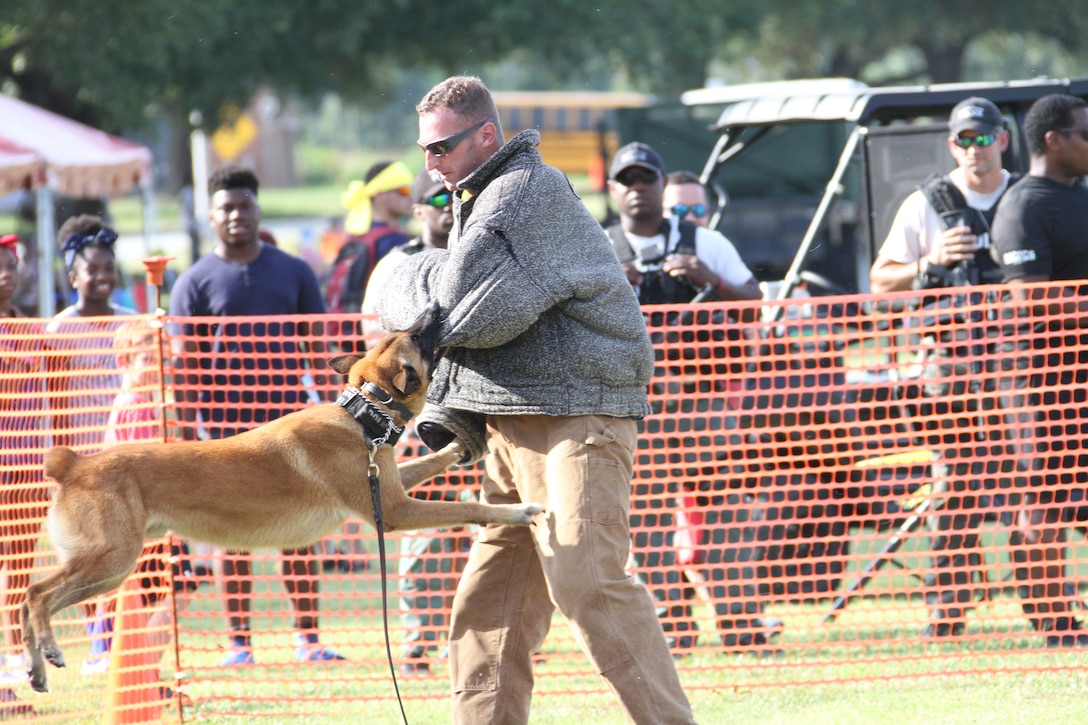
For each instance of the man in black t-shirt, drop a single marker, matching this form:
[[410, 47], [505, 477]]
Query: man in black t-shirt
[[1040, 234]]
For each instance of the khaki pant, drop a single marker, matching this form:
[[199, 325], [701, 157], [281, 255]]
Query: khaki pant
[[580, 469]]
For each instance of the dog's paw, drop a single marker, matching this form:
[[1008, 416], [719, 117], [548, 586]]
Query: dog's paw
[[38, 681], [526, 511], [458, 452], [53, 655]]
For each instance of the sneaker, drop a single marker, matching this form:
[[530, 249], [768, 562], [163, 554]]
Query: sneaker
[[12, 705], [12, 669], [237, 657], [95, 666], [317, 653], [308, 649]]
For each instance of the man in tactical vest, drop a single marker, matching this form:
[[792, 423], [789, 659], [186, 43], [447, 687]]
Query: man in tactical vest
[[941, 238], [669, 261], [945, 225]]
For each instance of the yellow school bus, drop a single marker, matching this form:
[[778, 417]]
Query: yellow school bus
[[577, 128]]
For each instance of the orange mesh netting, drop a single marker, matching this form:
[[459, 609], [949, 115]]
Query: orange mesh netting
[[829, 489]]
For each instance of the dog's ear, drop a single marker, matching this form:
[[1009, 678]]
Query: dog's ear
[[342, 363], [407, 380]]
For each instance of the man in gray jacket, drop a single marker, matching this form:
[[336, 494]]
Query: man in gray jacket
[[547, 362]]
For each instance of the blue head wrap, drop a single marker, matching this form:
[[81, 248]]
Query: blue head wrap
[[75, 243]]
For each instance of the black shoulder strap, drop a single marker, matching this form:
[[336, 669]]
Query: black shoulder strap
[[686, 243], [942, 194], [620, 245]]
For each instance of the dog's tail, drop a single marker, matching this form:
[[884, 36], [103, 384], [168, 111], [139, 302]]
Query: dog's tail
[[59, 462]]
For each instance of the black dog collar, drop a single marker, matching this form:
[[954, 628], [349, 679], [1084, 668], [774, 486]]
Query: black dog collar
[[377, 424], [387, 400]]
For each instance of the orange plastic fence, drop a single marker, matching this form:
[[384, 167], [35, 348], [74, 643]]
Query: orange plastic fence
[[829, 489]]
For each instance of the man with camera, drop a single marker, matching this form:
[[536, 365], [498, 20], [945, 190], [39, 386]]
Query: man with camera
[[671, 261], [668, 260], [940, 237]]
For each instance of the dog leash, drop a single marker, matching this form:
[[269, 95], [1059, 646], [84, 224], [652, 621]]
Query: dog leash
[[376, 499]]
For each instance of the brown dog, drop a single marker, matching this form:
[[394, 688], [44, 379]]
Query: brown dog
[[283, 485]]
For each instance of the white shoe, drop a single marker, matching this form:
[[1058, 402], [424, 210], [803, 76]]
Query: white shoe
[[12, 669], [95, 666]]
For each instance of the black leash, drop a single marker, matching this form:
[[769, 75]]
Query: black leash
[[378, 429], [376, 499]]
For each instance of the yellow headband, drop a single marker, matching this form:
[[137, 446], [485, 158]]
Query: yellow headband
[[359, 195]]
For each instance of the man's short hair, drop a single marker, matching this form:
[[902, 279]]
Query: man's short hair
[[232, 176], [1049, 113], [676, 178], [466, 96]]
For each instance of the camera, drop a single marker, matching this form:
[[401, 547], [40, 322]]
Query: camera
[[649, 257]]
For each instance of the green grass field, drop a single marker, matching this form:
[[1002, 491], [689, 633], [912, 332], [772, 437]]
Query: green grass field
[[870, 670]]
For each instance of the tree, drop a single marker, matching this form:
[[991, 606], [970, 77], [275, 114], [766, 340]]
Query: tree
[[851, 37]]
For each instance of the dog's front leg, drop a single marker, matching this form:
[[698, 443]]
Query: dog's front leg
[[424, 468]]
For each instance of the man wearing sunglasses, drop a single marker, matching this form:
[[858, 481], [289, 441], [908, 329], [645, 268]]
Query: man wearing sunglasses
[[429, 559], [375, 207], [940, 237], [685, 198], [669, 260], [545, 370], [921, 244], [662, 263], [432, 206], [1041, 234]]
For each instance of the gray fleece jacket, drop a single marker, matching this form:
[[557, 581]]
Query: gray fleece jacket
[[538, 315]]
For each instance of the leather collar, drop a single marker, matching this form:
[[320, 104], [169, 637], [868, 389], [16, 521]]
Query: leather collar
[[377, 424]]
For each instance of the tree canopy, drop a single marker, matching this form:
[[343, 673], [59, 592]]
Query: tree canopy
[[120, 65]]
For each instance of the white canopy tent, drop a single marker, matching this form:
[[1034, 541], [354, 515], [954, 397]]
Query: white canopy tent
[[56, 155]]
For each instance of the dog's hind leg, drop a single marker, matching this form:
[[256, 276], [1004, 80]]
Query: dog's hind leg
[[78, 579]]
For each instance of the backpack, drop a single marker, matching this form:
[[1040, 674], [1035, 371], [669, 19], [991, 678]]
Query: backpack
[[351, 270]]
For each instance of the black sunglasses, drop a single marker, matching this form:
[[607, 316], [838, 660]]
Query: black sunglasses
[[982, 140], [441, 200], [443, 146], [681, 210], [628, 177], [1082, 132]]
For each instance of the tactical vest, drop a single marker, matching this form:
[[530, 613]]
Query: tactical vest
[[948, 201], [658, 288]]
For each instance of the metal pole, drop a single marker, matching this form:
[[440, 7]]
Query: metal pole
[[198, 148], [47, 244]]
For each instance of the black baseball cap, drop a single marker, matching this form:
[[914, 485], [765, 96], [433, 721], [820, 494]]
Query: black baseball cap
[[427, 184], [975, 114], [636, 154]]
